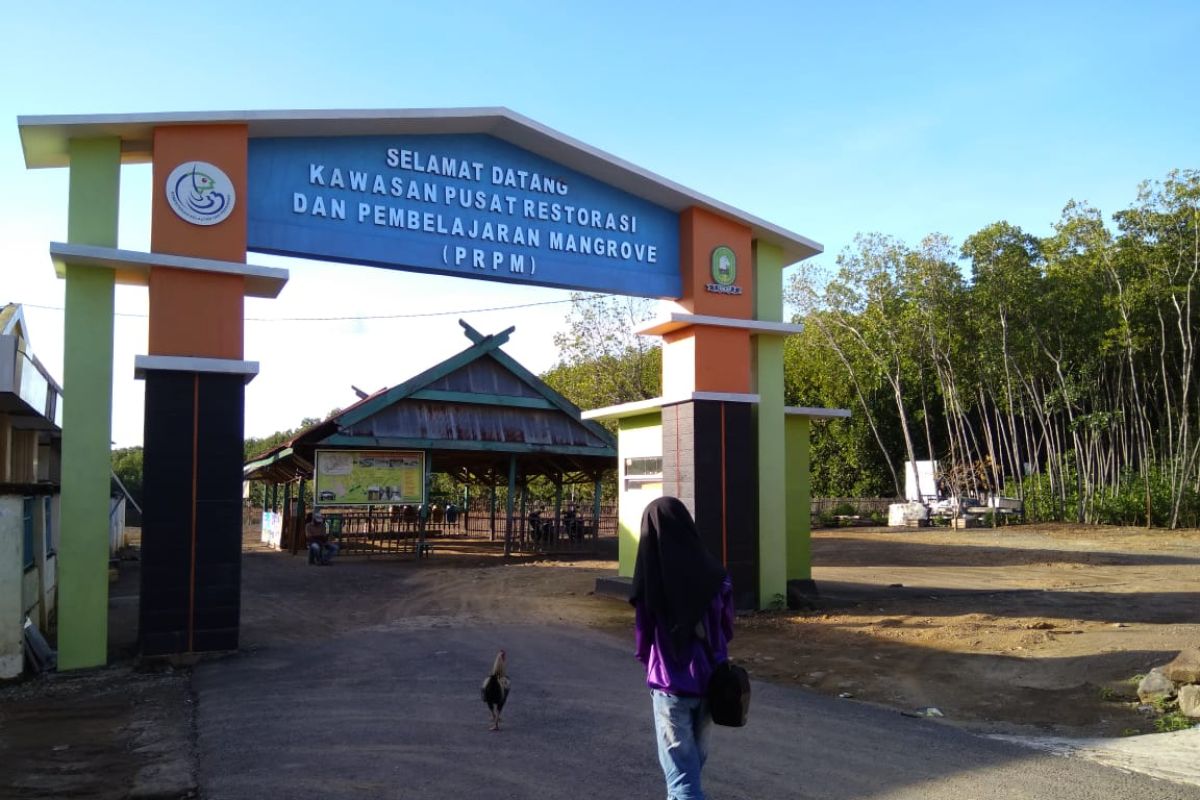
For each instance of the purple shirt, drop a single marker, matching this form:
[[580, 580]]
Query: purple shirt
[[688, 677]]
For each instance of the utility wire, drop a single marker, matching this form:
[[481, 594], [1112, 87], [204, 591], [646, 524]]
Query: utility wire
[[416, 315]]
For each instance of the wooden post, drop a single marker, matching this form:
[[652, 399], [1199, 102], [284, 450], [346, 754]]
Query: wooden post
[[524, 506], [493, 528], [596, 509], [557, 507], [288, 523], [299, 516], [512, 487], [466, 510]]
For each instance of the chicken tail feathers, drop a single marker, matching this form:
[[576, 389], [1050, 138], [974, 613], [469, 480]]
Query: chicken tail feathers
[[495, 690]]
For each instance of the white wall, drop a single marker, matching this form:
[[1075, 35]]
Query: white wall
[[116, 524], [11, 579], [926, 471]]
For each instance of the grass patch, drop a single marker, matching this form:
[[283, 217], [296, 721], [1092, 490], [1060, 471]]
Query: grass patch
[[1173, 721]]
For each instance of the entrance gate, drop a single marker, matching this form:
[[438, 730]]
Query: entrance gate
[[478, 193]]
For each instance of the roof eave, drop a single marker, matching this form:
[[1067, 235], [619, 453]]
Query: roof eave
[[44, 140]]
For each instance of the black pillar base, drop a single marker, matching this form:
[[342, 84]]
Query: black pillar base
[[710, 462], [192, 515], [802, 594]]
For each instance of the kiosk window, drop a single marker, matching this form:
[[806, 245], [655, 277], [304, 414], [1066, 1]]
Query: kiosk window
[[641, 471]]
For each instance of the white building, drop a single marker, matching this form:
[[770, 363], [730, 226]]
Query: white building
[[30, 475]]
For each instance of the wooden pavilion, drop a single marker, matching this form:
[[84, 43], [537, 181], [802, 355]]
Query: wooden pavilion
[[480, 418]]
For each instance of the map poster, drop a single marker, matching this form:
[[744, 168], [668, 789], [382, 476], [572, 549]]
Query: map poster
[[370, 477]]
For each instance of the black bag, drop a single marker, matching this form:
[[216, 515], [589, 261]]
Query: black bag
[[729, 695]]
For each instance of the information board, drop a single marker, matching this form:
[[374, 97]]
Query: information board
[[369, 477]]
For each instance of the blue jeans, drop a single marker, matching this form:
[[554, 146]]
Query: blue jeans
[[317, 553], [681, 727]]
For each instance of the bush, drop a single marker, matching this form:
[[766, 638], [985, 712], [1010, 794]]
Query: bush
[[1173, 721], [1123, 505]]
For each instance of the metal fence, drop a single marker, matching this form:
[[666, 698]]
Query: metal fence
[[862, 506], [540, 532]]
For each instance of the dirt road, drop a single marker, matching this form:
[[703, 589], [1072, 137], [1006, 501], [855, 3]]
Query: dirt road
[[361, 680], [1021, 631], [1015, 630]]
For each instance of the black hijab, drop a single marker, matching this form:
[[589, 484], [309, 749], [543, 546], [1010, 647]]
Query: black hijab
[[675, 576]]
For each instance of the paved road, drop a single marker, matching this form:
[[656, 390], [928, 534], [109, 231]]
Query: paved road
[[394, 712]]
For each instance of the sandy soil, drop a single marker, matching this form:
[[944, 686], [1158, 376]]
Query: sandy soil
[[1019, 627], [1002, 630]]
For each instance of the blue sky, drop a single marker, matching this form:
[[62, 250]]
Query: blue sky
[[827, 119]]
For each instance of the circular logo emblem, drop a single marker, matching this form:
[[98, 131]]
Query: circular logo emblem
[[724, 266], [200, 193]]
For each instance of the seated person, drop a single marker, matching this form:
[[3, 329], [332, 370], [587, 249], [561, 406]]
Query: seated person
[[320, 550]]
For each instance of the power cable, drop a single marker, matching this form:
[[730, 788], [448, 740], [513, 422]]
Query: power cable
[[354, 318]]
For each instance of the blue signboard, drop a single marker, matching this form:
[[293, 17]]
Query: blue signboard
[[467, 205]]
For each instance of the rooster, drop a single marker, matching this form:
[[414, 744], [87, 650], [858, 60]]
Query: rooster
[[495, 690]]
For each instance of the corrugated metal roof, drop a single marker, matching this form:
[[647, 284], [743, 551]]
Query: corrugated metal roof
[[474, 408], [484, 376], [422, 419]]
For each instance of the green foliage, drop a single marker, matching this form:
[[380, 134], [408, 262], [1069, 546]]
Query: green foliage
[[254, 447], [127, 465], [1173, 721], [601, 362], [1071, 356], [1121, 504], [845, 459]]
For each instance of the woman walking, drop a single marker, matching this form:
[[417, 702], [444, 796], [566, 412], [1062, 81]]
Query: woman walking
[[683, 601]]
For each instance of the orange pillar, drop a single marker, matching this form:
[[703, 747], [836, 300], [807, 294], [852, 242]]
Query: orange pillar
[[198, 313], [709, 453], [191, 552]]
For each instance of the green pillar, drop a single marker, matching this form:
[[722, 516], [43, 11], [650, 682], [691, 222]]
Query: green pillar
[[768, 377], [87, 411], [424, 512], [799, 501]]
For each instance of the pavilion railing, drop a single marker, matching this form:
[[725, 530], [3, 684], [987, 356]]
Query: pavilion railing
[[398, 530]]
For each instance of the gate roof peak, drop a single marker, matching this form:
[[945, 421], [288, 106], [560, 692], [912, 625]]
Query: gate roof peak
[[44, 140]]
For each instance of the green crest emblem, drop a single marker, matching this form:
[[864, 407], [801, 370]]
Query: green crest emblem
[[724, 266]]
